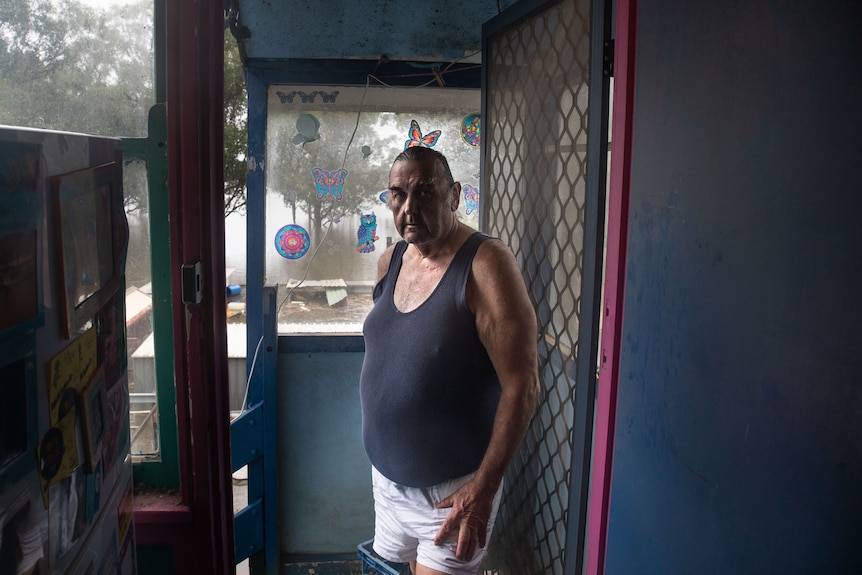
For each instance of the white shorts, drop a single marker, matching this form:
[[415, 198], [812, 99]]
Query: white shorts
[[406, 523]]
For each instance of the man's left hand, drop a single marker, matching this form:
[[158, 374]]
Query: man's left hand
[[471, 509]]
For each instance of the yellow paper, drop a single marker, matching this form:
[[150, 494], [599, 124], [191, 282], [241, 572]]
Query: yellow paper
[[63, 382], [68, 371], [87, 356]]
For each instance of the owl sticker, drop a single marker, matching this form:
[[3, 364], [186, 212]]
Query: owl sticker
[[417, 139], [329, 183], [367, 233]]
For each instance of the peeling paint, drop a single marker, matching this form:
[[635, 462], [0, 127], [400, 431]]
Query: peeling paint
[[448, 28], [253, 164]]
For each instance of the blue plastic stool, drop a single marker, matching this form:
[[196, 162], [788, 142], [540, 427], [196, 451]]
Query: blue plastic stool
[[372, 563]]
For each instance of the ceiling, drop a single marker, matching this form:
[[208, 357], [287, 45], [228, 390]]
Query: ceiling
[[299, 38]]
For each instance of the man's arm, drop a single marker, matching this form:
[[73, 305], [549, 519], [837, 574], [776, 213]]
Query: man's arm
[[506, 323]]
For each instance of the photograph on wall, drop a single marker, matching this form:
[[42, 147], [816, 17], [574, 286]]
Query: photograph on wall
[[87, 240], [21, 195], [62, 517], [110, 329], [93, 493], [93, 401], [88, 355], [19, 295]]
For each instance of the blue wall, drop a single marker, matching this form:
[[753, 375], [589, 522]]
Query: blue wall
[[739, 431], [324, 477]]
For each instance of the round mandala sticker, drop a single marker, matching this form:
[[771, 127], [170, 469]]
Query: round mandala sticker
[[292, 241], [471, 130]]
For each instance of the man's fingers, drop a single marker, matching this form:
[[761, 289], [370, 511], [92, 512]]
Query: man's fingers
[[445, 529], [466, 521], [466, 545]]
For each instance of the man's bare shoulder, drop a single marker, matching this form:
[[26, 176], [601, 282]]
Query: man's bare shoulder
[[383, 262], [494, 258], [496, 282]]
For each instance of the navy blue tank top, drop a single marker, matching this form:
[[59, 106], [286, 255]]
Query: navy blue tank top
[[428, 389]]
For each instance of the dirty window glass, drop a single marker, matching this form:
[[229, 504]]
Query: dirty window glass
[[329, 150], [79, 66], [140, 340], [87, 66]]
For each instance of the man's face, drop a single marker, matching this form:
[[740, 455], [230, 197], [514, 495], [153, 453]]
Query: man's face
[[423, 203]]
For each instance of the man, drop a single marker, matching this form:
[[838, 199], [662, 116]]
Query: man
[[450, 378]]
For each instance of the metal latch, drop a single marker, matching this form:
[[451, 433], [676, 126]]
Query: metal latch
[[193, 283]]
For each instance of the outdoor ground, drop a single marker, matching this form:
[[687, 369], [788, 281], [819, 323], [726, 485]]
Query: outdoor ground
[[310, 307]]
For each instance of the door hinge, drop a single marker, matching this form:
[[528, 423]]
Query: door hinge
[[608, 59]]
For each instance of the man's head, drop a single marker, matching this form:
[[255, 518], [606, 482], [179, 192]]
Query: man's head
[[423, 195], [420, 153]]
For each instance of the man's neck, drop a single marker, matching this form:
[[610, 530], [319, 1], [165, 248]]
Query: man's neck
[[443, 247]]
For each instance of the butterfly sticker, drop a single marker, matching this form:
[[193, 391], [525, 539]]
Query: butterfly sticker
[[329, 183], [307, 98], [471, 198], [417, 139]]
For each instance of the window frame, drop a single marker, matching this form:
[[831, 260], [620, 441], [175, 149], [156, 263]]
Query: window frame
[[163, 470]]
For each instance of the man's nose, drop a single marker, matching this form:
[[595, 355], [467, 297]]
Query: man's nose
[[409, 203]]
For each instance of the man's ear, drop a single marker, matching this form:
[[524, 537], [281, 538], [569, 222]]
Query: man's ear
[[456, 196]]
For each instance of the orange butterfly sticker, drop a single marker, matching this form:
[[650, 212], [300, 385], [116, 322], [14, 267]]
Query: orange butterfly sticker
[[417, 139]]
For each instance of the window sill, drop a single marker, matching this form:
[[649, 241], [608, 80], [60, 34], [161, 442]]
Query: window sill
[[161, 519]]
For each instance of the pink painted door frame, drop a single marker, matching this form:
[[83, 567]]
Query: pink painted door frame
[[615, 266]]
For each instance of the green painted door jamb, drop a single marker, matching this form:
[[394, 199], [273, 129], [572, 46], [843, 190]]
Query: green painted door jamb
[[164, 470]]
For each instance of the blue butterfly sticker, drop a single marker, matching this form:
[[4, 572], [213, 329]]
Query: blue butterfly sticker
[[329, 183], [471, 198], [417, 139]]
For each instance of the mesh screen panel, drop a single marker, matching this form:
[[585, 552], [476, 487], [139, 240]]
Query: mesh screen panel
[[535, 137]]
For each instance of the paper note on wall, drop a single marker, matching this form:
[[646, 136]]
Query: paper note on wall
[[68, 371]]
